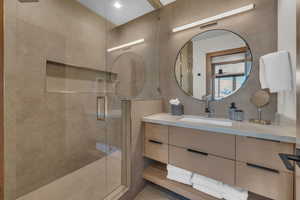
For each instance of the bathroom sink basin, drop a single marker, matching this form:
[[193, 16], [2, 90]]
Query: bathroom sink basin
[[205, 120]]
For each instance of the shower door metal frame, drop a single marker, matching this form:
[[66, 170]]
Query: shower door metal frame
[[2, 100], [126, 153]]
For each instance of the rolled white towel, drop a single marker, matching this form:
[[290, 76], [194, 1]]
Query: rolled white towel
[[174, 174], [234, 193], [180, 179], [208, 185], [212, 192], [205, 181], [182, 172], [179, 175]]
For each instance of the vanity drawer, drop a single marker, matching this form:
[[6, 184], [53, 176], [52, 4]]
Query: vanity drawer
[[202, 163], [213, 143], [157, 132], [262, 152], [156, 150], [275, 185]]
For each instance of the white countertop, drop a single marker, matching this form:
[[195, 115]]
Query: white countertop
[[282, 132]]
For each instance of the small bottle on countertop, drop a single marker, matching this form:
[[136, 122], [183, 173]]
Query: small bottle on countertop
[[239, 115], [232, 110]]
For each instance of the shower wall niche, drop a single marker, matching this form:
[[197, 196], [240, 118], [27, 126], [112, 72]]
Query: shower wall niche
[[66, 78]]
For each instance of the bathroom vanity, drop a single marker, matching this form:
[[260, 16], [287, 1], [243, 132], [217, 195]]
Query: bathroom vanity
[[243, 154], [213, 68]]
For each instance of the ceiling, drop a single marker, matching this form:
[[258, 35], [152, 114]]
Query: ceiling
[[165, 2], [129, 10]]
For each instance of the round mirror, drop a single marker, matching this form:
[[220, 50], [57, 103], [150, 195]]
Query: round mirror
[[260, 99], [213, 64]]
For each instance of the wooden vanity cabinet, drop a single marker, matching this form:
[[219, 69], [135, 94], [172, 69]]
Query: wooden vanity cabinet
[[262, 152], [213, 143], [156, 141], [157, 132], [156, 151], [202, 163], [203, 152], [246, 162], [259, 168], [273, 184]]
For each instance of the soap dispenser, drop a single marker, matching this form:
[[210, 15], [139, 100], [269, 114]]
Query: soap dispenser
[[232, 110]]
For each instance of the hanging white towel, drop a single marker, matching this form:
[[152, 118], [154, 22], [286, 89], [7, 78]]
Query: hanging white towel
[[275, 72], [234, 193], [217, 193]]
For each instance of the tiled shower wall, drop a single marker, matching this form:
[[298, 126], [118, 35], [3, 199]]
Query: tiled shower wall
[[51, 133]]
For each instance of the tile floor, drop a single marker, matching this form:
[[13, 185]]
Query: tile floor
[[88, 182], [152, 192]]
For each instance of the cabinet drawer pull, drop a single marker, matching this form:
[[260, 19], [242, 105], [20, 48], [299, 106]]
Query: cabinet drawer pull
[[155, 142], [198, 152], [263, 168]]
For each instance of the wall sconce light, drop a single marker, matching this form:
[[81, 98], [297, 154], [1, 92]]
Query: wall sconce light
[[126, 45], [215, 18]]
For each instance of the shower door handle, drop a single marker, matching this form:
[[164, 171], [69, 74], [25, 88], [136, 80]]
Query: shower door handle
[[101, 108]]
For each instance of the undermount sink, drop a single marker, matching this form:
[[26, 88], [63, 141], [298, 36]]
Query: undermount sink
[[205, 120]]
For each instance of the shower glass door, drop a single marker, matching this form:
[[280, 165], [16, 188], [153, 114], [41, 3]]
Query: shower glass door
[[67, 122]]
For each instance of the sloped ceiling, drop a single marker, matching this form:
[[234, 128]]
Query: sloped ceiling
[[165, 2], [130, 10]]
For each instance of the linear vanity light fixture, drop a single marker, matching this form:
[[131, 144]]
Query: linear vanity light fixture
[[28, 1], [126, 45], [215, 18]]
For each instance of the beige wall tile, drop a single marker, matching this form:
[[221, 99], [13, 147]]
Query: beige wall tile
[[10, 102], [258, 27], [146, 27], [54, 134]]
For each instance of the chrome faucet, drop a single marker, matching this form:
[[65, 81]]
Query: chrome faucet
[[208, 109]]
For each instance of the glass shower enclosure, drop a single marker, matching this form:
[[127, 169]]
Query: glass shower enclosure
[[63, 108]]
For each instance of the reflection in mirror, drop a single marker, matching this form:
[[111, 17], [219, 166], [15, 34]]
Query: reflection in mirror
[[129, 82], [215, 63]]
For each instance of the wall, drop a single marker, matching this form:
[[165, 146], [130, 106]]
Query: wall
[[139, 109], [287, 41], [144, 27], [162, 46], [44, 130], [258, 28]]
